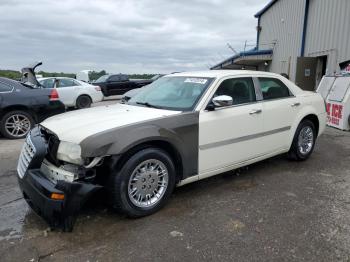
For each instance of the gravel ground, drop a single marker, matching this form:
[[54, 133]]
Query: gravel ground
[[276, 210]]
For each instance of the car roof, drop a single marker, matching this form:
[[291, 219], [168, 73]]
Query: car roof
[[223, 73], [56, 77]]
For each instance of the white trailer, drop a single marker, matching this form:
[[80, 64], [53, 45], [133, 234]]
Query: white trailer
[[83, 75], [336, 92]]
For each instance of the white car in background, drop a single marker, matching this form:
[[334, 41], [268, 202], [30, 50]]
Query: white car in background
[[72, 92]]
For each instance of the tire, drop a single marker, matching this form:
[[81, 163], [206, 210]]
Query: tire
[[16, 124], [307, 130], [83, 101], [122, 187]]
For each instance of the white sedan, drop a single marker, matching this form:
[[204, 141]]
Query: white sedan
[[72, 92], [181, 128]]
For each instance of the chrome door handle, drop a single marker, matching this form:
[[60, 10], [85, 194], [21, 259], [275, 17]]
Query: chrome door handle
[[295, 104], [255, 111]]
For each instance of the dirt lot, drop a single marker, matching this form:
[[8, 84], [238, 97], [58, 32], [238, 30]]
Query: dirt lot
[[276, 210]]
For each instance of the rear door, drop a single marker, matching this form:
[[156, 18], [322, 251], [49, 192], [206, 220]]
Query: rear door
[[280, 107], [67, 91], [114, 85], [230, 135], [5, 94], [47, 83]]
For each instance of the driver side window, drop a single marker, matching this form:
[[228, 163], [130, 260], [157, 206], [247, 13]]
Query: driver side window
[[240, 89]]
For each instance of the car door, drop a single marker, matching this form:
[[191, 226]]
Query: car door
[[126, 84], [113, 84], [47, 83], [230, 135], [280, 108], [67, 91], [5, 95]]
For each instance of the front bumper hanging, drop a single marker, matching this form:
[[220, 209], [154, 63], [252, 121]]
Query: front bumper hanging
[[39, 191]]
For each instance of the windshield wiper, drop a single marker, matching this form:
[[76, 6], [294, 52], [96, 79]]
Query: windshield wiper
[[147, 104]]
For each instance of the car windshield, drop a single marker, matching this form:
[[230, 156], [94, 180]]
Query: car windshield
[[178, 93], [101, 79]]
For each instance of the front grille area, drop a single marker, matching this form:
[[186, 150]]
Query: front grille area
[[26, 156]]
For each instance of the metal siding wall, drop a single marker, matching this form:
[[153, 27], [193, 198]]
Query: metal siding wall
[[287, 34], [329, 28]]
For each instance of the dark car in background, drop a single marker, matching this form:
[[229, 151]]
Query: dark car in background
[[23, 104], [119, 84], [126, 96]]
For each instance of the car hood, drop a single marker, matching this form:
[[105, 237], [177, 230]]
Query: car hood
[[77, 125]]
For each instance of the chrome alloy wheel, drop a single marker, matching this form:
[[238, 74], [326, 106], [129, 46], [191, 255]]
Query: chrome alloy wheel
[[17, 125], [148, 183], [305, 140]]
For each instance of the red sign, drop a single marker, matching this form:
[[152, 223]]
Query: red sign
[[334, 113]]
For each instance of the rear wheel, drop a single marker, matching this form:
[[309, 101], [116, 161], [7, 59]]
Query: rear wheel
[[83, 101], [303, 142], [16, 124], [144, 183]]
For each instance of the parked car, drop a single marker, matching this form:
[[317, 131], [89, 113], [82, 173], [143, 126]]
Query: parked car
[[119, 84], [180, 129], [126, 97], [72, 92], [23, 105]]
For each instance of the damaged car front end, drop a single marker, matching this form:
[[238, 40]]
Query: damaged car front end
[[53, 178]]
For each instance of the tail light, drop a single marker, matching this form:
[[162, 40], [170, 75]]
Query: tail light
[[97, 88], [54, 95]]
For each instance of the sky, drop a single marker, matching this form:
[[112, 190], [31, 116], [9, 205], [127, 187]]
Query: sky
[[119, 36]]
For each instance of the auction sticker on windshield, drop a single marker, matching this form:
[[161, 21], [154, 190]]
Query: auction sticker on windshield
[[201, 81]]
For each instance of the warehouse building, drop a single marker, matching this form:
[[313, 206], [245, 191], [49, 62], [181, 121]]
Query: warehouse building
[[304, 39]]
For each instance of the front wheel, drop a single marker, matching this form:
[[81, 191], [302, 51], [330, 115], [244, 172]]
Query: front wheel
[[304, 141], [144, 183]]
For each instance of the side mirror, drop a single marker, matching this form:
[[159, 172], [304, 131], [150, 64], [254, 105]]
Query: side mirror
[[223, 100]]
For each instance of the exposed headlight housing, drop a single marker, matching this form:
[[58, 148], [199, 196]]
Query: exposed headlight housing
[[69, 152]]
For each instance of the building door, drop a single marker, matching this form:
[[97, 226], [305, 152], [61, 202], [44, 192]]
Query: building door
[[320, 69], [306, 73]]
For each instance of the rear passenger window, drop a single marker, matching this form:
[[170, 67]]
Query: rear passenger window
[[47, 83], [273, 88], [114, 78], [240, 89], [66, 82]]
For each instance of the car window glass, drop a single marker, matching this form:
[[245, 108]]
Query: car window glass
[[65, 83], [123, 78], [114, 78], [47, 83], [5, 88], [273, 88], [179, 93], [240, 89], [76, 83]]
